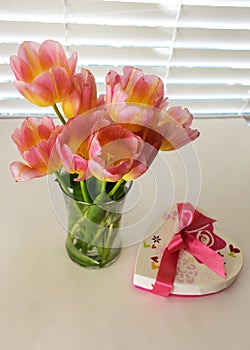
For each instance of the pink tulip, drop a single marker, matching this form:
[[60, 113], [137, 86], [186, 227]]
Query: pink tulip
[[141, 120], [116, 153], [83, 95], [44, 74], [35, 140], [162, 129], [175, 128], [135, 115], [133, 86], [72, 144]]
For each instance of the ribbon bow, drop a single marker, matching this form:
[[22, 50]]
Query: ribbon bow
[[191, 223]]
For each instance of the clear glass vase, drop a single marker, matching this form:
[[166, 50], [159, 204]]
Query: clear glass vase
[[93, 235]]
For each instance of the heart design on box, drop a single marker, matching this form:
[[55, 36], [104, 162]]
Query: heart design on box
[[233, 251], [155, 259]]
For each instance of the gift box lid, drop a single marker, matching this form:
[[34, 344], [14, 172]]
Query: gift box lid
[[192, 277]]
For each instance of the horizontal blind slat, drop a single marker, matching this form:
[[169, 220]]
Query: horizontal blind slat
[[17, 32], [113, 13], [211, 58], [81, 34], [21, 106], [84, 34], [30, 10], [212, 39], [214, 17], [203, 75], [89, 12], [199, 107], [107, 55], [216, 3], [197, 92]]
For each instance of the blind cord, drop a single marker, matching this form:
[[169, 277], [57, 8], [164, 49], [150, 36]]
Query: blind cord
[[66, 26], [171, 45]]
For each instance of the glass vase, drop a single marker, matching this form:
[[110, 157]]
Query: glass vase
[[93, 235]]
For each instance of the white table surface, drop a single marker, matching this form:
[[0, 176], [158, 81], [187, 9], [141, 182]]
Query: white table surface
[[48, 302]]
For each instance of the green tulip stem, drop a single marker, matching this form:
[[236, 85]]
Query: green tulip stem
[[85, 193], [58, 113], [115, 188], [103, 188]]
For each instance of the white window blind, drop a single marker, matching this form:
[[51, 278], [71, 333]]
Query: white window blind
[[201, 49]]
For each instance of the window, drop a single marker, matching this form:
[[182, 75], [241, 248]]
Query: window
[[201, 49]]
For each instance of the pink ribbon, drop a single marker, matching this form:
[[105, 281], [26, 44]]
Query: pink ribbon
[[191, 222]]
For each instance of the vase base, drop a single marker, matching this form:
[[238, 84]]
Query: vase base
[[92, 259]]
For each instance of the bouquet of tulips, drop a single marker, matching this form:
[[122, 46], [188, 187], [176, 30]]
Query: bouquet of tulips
[[102, 143]]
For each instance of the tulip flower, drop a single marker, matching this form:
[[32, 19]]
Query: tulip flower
[[163, 129], [175, 128], [136, 87], [35, 141], [115, 153], [143, 122], [83, 95], [44, 74], [72, 144]]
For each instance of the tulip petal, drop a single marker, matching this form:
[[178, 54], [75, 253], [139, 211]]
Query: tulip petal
[[21, 69], [35, 159], [101, 173], [147, 90], [60, 81], [72, 64], [130, 77], [28, 52], [51, 53], [37, 95], [176, 136], [71, 104], [86, 81], [83, 95], [27, 136], [114, 90], [47, 88], [175, 128], [22, 173], [45, 128], [132, 114], [137, 170], [101, 100], [80, 166], [65, 155], [17, 138], [116, 94], [180, 115]]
